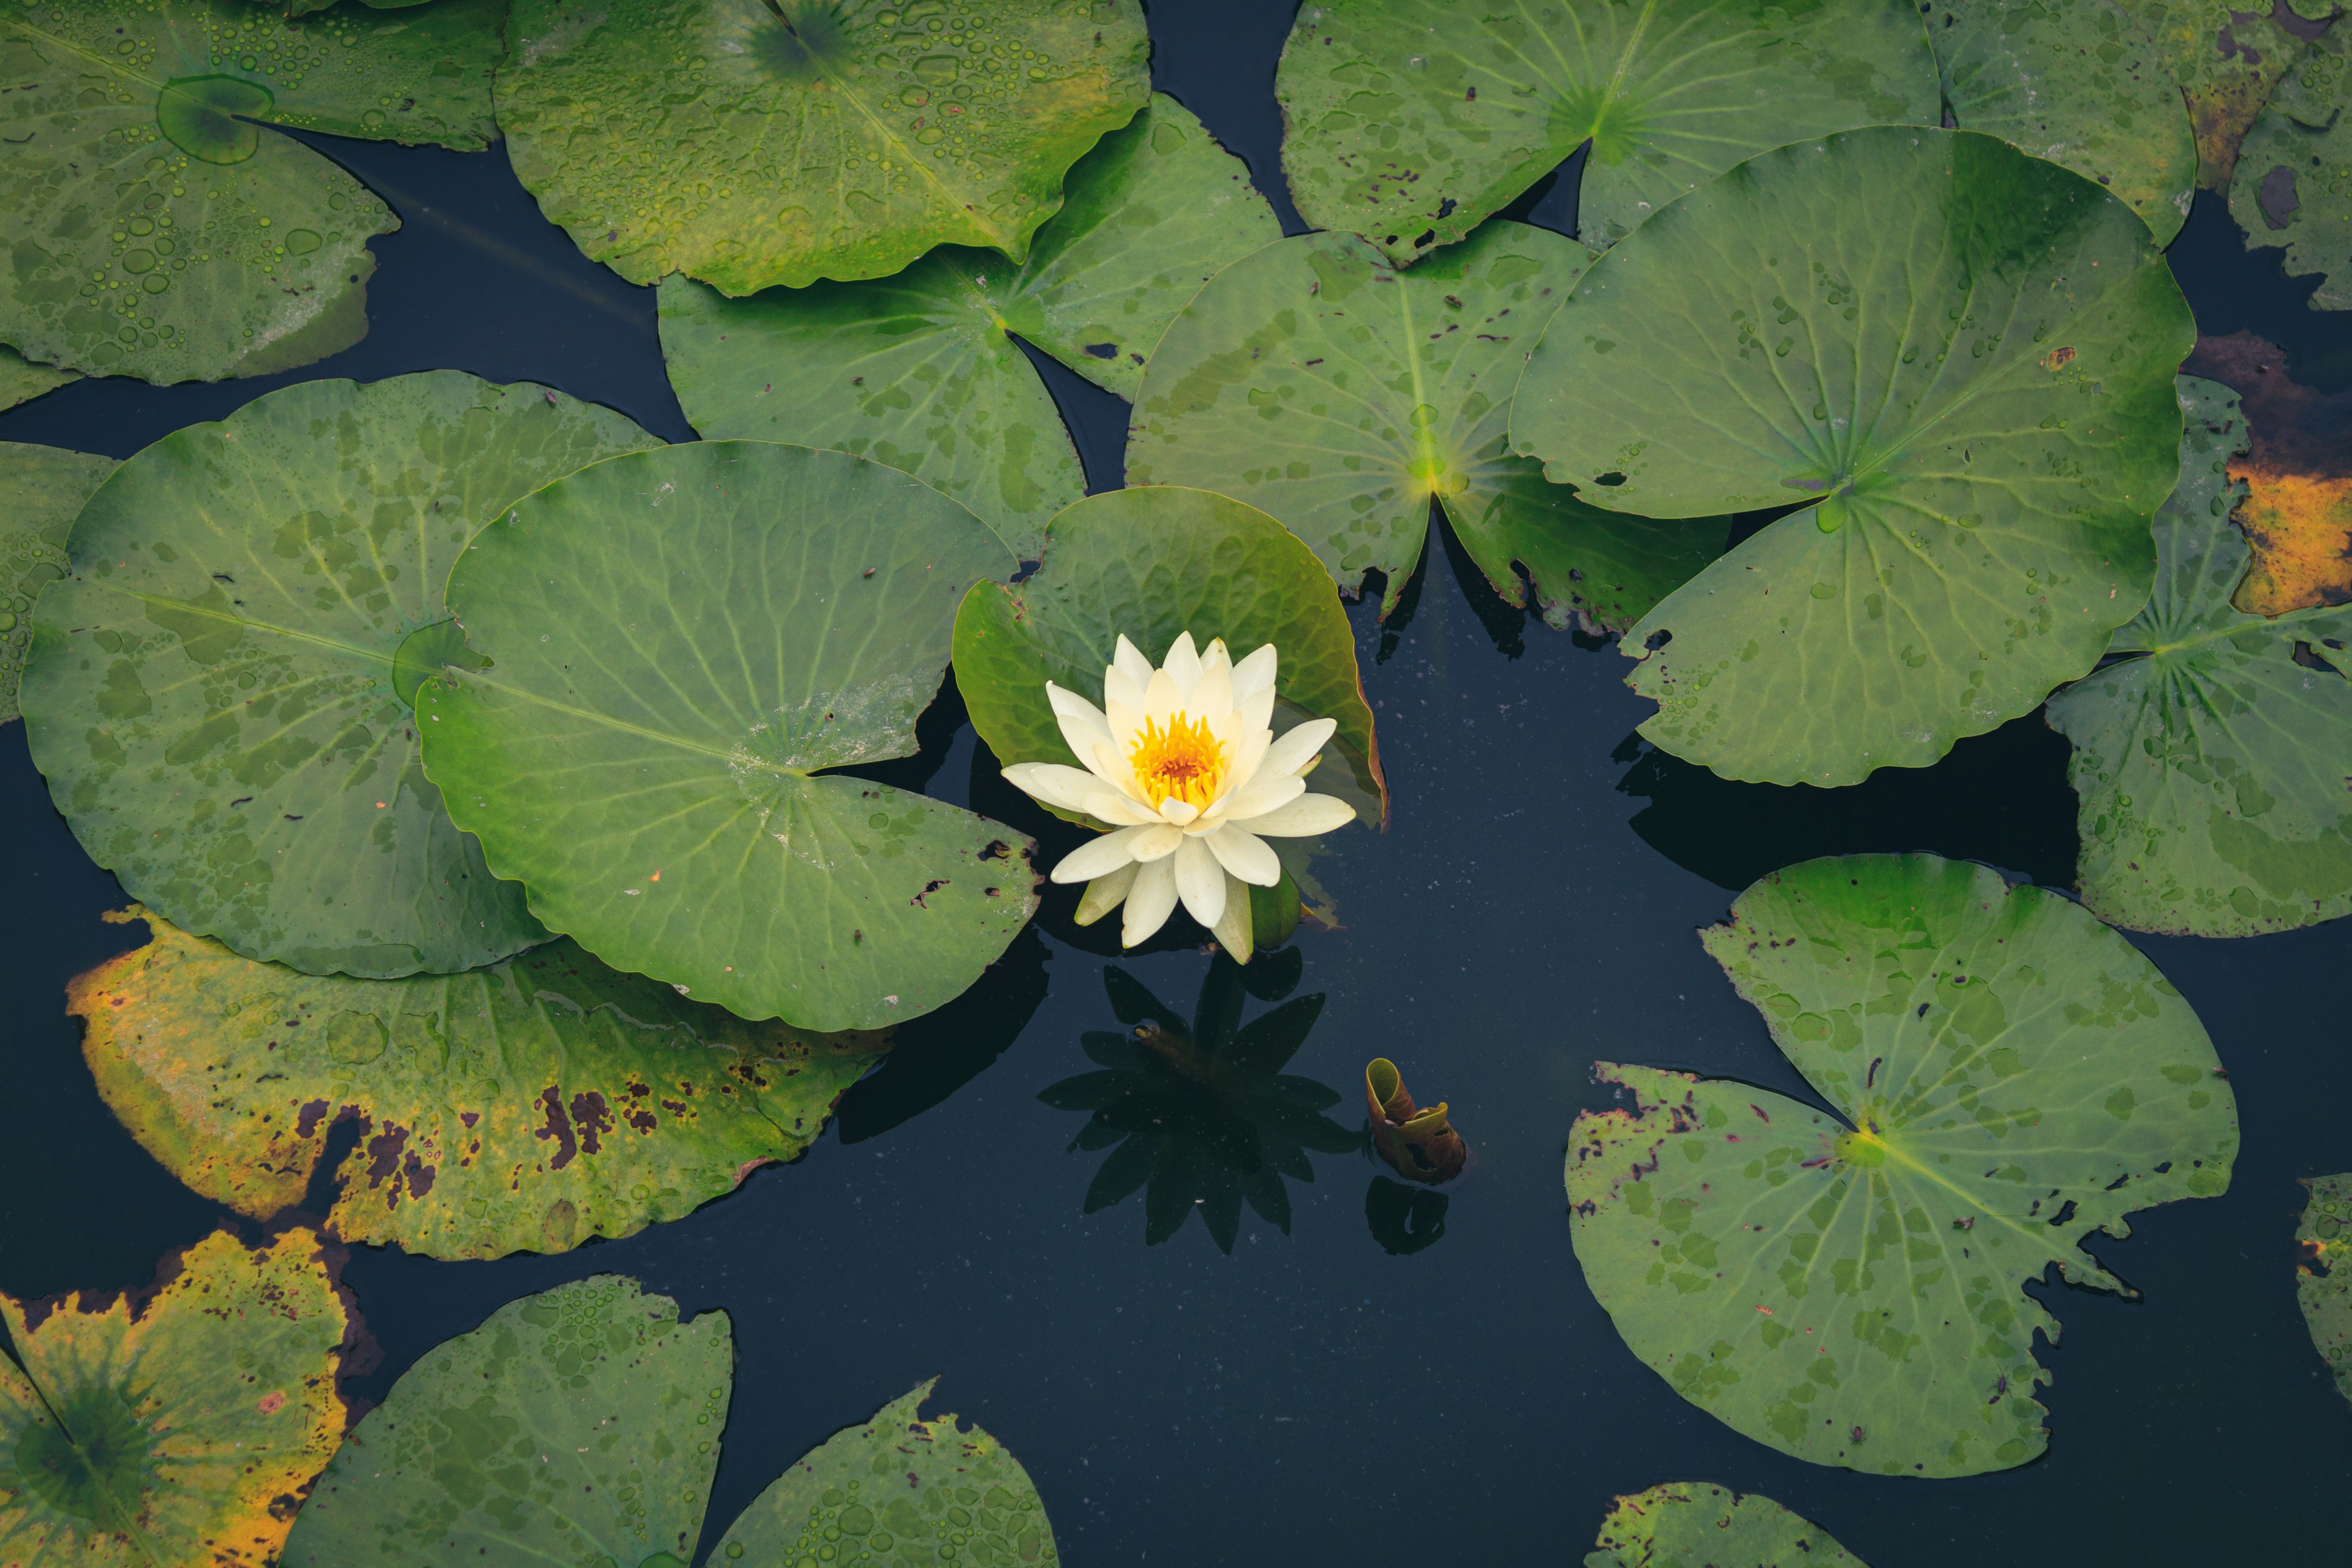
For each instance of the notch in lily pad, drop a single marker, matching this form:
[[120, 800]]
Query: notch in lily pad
[[1419, 1142]]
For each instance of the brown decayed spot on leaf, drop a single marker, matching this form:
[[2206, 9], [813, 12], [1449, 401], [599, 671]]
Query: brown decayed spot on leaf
[[2297, 513]]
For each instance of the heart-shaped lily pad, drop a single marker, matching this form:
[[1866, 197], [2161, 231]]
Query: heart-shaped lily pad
[[1409, 120], [2228, 62], [530, 1105], [160, 227], [917, 370], [2212, 763], [749, 143], [677, 643], [1690, 1524], [2292, 183], [42, 490], [216, 692], [2323, 1285], [2078, 83], [1315, 380], [22, 380], [2008, 1077], [176, 1425], [1977, 385]]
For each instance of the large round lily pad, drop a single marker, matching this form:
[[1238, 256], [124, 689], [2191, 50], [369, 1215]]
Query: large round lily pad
[[530, 1105], [2007, 1076], [1409, 121], [2293, 185], [1150, 564], [676, 644], [22, 380], [1316, 380], [2228, 61], [580, 1425], [42, 490], [159, 226], [1691, 1524], [748, 142], [2078, 83], [176, 1425], [1977, 385], [219, 692], [917, 370], [2323, 1285], [2213, 764]]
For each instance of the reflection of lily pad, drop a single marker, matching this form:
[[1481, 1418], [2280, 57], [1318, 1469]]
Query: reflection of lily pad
[[179, 1427], [899, 1489], [2292, 183], [530, 1105], [2323, 1283], [1411, 121], [2212, 766], [2075, 82], [2228, 62], [160, 227], [916, 371], [678, 642], [21, 380], [1690, 1524], [1976, 384], [2296, 509], [42, 488], [1316, 381], [212, 692], [748, 144], [2009, 1076]]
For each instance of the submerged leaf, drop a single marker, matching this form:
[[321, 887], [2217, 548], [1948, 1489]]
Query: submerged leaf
[[748, 142], [1975, 388], [1691, 1524], [1315, 380], [2227, 61], [681, 643], [2008, 1077], [2296, 470], [21, 380], [1411, 121], [42, 490], [1420, 1144], [2322, 1284], [2292, 183], [917, 370], [179, 1426], [2213, 762], [213, 691]]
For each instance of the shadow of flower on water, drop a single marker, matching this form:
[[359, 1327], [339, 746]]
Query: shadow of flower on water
[[1200, 1115]]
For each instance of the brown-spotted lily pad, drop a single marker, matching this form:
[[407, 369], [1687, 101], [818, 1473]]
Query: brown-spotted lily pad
[[2324, 1273], [1420, 1144], [2297, 470]]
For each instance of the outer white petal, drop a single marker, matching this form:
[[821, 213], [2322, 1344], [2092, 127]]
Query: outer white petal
[[1263, 793], [1123, 699], [1117, 771], [1149, 902], [1233, 928], [1249, 759], [1111, 806], [1245, 855], [1183, 663], [1200, 881], [1307, 816], [1100, 857], [1291, 753], [1083, 741], [1128, 660], [1053, 784], [1068, 704], [1105, 894], [1254, 674], [1155, 842]]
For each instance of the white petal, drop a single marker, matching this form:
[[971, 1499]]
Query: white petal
[[1162, 698], [1117, 771], [1155, 842], [1100, 857], [1200, 881], [1249, 759], [1053, 784], [1149, 902], [1128, 660], [1108, 805], [1212, 697], [1254, 674], [1123, 692], [1245, 855], [1294, 751], [1183, 663], [1178, 813], [1068, 704], [1082, 737], [1233, 928], [1308, 815], [1260, 795], [1105, 894]]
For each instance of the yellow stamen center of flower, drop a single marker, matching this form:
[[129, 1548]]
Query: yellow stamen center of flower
[[1183, 761]]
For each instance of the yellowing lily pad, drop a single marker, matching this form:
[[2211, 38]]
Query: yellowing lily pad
[[1690, 1524], [2227, 61], [2296, 467], [42, 490], [2323, 1285]]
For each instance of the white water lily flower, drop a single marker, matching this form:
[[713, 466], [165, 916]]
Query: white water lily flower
[[1183, 763]]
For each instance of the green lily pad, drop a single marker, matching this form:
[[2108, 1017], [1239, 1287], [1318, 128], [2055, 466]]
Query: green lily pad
[[1315, 380], [2293, 185], [1409, 120], [42, 490], [528, 1106], [1976, 384], [1690, 1524], [160, 227], [678, 642], [2212, 765], [2227, 61], [580, 1425], [2077, 83], [1150, 564], [176, 1425], [917, 370], [2323, 1285], [215, 693], [2007, 1076], [749, 142], [21, 380], [899, 1489]]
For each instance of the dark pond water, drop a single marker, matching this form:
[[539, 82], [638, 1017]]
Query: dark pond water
[[1383, 1384]]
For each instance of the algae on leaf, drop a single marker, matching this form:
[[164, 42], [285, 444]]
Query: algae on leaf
[[1691, 1524], [917, 370], [176, 1425], [1409, 121], [675, 647], [2212, 759], [1975, 388], [219, 691], [2008, 1077], [529, 1106], [1315, 380], [21, 379], [161, 228], [2292, 183], [2322, 1284], [749, 143], [42, 490], [2227, 61]]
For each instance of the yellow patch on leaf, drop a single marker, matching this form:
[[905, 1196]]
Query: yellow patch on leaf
[[2297, 470]]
